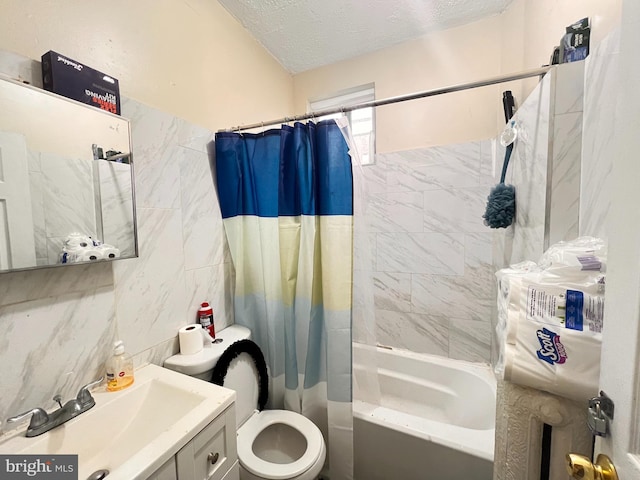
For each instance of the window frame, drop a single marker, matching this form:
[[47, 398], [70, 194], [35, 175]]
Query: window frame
[[347, 98]]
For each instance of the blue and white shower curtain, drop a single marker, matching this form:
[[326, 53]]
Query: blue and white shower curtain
[[286, 197]]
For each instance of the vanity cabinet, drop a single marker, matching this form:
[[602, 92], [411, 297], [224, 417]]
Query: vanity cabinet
[[210, 455], [166, 471], [212, 452]]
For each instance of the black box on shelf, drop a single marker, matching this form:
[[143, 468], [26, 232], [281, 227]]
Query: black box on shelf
[[72, 79], [574, 45]]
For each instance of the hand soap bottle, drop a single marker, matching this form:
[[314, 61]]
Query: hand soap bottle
[[119, 368]]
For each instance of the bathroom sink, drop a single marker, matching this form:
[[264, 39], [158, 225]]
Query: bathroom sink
[[135, 431]]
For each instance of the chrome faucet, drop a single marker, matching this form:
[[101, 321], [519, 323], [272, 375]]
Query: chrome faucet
[[42, 421]]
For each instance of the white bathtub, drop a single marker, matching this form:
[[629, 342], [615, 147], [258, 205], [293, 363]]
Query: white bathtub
[[434, 417]]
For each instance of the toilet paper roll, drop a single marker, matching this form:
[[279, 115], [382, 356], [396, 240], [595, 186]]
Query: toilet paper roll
[[191, 339], [80, 255], [109, 251], [513, 320], [89, 255]]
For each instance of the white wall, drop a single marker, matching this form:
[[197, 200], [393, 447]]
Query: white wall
[[189, 58], [521, 38], [448, 57], [532, 28]]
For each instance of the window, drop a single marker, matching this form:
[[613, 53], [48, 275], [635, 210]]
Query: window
[[362, 121]]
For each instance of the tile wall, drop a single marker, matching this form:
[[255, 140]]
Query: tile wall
[[432, 265], [566, 152], [545, 167], [601, 87], [63, 201], [433, 259]]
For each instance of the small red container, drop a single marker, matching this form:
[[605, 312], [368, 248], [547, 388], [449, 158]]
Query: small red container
[[205, 318]]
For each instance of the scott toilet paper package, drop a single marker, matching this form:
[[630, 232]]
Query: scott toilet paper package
[[558, 361], [550, 318]]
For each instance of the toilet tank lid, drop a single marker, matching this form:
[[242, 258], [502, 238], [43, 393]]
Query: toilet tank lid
[[207, 358]]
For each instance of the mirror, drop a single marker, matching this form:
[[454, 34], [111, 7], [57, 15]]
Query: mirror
[[66, 181]]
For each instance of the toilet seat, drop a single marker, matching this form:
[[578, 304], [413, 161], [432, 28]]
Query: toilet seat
[[274, 471]]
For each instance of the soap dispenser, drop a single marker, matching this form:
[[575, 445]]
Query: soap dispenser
[[119, 368]]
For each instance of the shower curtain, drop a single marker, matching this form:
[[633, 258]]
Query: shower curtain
[[286, 197]]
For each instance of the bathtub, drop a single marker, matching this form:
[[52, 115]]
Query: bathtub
[[434, 418]]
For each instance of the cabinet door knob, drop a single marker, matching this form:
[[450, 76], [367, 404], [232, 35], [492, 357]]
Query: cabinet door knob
[[213, 457]]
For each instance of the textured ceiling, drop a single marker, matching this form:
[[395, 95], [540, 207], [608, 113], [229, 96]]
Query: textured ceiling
[[305, 34]]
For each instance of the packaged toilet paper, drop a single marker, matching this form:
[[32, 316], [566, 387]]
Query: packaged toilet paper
[[563, 362], [579, 255], [550, 319], [78, 247], [509, 286]]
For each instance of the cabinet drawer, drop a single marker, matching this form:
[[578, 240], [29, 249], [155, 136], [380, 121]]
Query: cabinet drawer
[[212, 451]]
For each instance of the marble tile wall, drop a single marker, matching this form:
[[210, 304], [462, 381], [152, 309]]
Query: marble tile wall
[[57, 325], [36, 187], [63, 199], [116, 194], [601, 93], [566, 152], [545, 167], [67, 199], [432, 265], [524, 239], [433, 258]]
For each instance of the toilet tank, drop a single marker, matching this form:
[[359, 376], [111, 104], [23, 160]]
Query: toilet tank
[[200, 365]]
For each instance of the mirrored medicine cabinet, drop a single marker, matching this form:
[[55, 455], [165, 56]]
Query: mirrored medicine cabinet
[[66, 181]]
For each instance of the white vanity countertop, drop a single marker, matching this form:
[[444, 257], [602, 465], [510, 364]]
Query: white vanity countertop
[[132, 432]]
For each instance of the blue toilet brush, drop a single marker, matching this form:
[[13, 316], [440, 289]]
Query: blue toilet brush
[[501, 202]]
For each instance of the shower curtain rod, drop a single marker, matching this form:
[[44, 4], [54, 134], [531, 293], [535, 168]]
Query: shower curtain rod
[[401, 98]]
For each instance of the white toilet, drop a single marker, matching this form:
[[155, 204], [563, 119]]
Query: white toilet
[[272, 444]]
